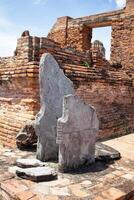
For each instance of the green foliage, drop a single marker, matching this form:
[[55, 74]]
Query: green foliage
[[86, 64]]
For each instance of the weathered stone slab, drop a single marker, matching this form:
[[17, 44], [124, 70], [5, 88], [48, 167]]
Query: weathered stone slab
[[106, 153], [37, 174], [76, 133], [53, 86], [29, 163]]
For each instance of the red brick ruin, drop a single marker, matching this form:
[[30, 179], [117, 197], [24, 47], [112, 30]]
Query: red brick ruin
[[107, 85]]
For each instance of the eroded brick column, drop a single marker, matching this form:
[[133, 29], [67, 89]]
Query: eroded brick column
[[59, 31], [122, 48], [24, 48], [79, 37]]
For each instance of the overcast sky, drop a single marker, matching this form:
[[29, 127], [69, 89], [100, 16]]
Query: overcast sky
[[38, 16]]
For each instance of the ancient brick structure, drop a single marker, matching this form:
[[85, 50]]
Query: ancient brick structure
[[78, 33], [98, 55], [107, 86], [19, 89]]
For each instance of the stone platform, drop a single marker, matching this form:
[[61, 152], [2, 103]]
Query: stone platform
[[103, 181]]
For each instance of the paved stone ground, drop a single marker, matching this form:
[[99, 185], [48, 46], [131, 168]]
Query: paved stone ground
[[102, 181]]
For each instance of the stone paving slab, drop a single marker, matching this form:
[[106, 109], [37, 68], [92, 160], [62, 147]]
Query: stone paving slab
[[29, 163], [106, 153], [37, 174], [110, 181]]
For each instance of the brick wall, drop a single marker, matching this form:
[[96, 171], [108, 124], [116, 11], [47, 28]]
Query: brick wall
[[77, 36], [114, 106], [62, 22], [122, 49], [110, 91], [19, 89], [31, 48], [19, 98]]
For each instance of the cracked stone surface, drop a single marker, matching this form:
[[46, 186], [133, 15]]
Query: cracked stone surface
[[76, 133], [53, 86]]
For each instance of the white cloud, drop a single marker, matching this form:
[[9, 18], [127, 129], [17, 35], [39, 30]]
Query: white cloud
[[120, 3]]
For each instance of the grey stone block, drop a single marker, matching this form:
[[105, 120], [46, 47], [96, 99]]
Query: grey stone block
[[76, 133], [53, 86], [37, 174], [106, 153], [29, 163]]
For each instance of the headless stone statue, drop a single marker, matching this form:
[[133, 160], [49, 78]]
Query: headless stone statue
[[76, 133], [53, 86]]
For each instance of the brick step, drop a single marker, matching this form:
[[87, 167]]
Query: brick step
[[21, 75], [6, 133], [77, 76], [7, 136], [25, 66], [8, 142], [63, 52], [83, 80], [14, 117], [81, 68], [72, 57], [11, 123], [19, 69], [9, 100], [21, 115], [8, 127], [12, 120], [63, 57], [15, 124], [78, 68], [81, 72], [115, 75]]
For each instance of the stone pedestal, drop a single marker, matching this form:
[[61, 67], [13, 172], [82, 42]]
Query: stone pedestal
[[53, 86], [76, 134]]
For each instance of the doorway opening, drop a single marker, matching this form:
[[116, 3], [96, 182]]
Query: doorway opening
[[102, 38]]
